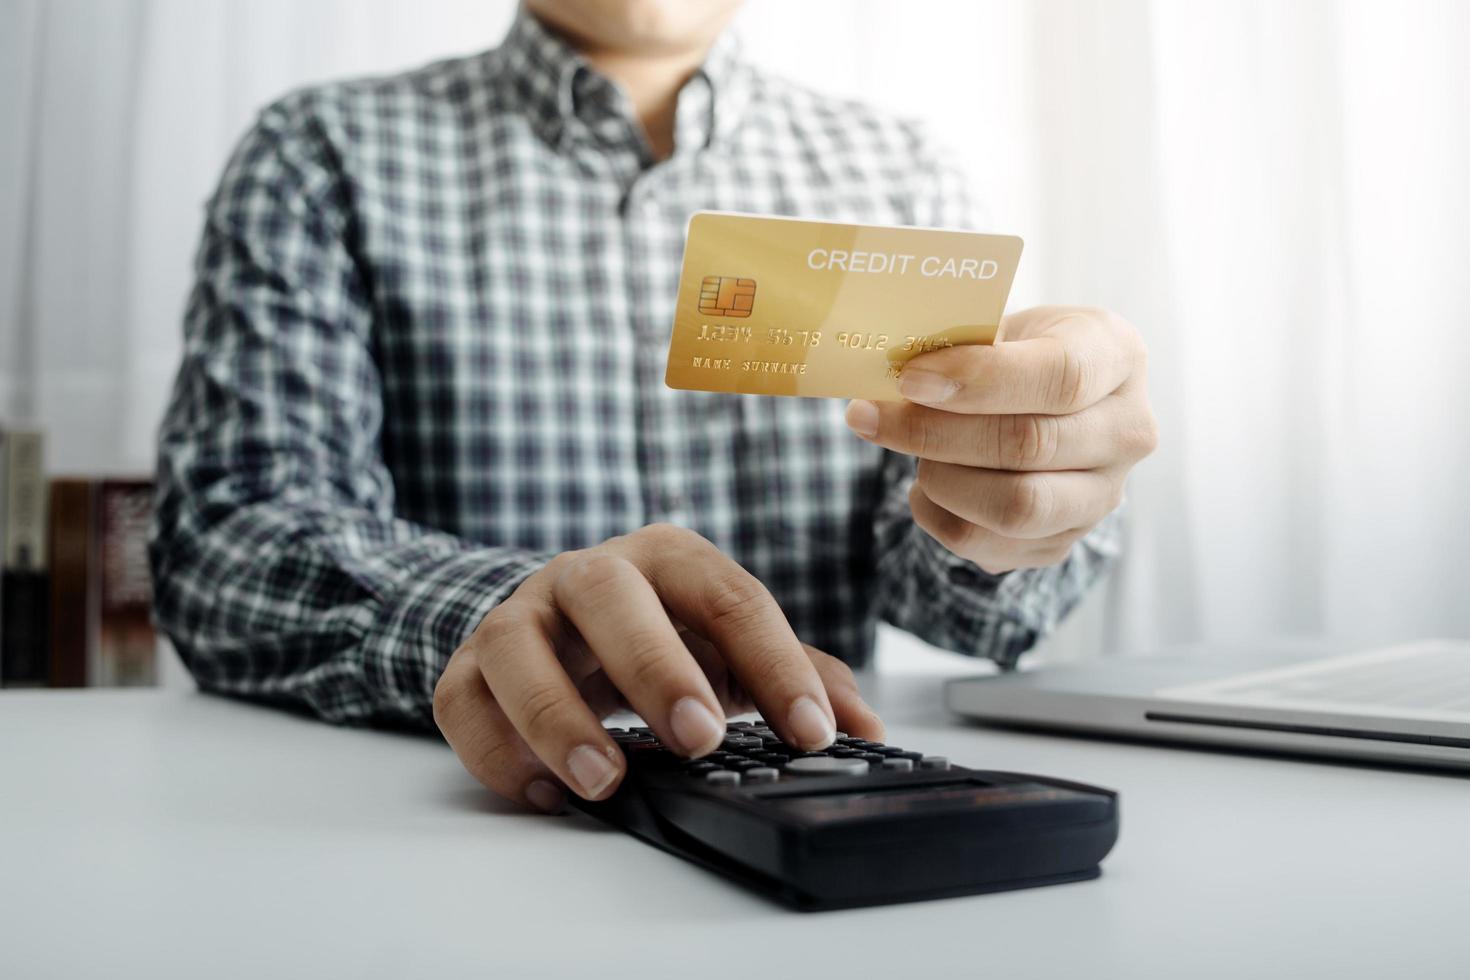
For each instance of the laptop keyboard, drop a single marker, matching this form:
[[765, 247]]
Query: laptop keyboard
[[1431, 676]]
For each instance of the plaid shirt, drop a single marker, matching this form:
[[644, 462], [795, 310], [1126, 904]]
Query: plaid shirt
[[424, 353]]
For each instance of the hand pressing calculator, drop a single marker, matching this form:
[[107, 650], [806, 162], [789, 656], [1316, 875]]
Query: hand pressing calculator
[[860, 823]]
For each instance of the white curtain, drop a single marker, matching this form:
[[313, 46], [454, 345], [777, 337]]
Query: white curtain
[[1274, 191]]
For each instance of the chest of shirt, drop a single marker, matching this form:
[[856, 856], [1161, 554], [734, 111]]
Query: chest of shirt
[[523, 296]]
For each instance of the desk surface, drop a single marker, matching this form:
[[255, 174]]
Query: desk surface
[[171, 834]]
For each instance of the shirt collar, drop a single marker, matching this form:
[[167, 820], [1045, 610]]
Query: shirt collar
[[565, 97]]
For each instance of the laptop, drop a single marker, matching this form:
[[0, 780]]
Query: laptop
[[1401, 705]]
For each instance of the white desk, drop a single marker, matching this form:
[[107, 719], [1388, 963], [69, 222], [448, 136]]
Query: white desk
[[173, 835]]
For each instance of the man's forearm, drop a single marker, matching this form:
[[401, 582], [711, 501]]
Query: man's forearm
[[344, 614], [954, 604]]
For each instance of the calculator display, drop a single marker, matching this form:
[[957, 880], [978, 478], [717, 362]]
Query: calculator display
[[894, 800]]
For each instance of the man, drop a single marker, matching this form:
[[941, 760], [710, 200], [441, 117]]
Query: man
[[420, 463]]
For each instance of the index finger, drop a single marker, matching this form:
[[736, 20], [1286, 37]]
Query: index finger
[[711, 594], [1077, 363]]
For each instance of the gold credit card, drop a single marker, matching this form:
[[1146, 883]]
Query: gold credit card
[[780, 306]]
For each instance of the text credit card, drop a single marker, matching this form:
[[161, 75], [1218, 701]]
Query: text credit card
[[780, 306]]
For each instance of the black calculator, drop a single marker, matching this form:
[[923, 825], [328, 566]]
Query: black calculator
[[859, 823]]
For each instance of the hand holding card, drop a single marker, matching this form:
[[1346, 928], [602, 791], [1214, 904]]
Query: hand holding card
[[1025, 445], [1025, 428]]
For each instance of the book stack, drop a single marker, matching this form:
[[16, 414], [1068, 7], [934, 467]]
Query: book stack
[[23, 593], [76, 607]]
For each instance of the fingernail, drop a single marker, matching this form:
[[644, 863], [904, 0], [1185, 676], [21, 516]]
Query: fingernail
[[929, 387], [696, 729], [592, 770], [546, 796], [862, 417], [810, 725]]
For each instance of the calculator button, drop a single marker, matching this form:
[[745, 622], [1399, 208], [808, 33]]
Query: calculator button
[[722, 777], [898, 765], [761, 774], [890, 750], [933, 762], [641, 730], [873, 758], [638, 748], [774, 758], [639, 745], [845, 753], [826, 765], [840, 735], [870, 746], [700, 768], [741, 765], [912, 756], [738, 742], [736, 726]]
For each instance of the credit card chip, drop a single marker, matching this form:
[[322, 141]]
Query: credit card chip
[[726, 296]]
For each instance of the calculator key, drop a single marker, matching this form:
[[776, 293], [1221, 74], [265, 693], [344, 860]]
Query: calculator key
[[736, 726], [642, 742], [845, 753], [761, 774], [933, 762], [826, 765], [840, 735], [722, 777], [870, 746], [613, 731], [912, 756], [641, 730], [740, 742], [701, 768], [890, 751], [898, 765], [873, 758], [741, 765], [774, 758], [852, 743]]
